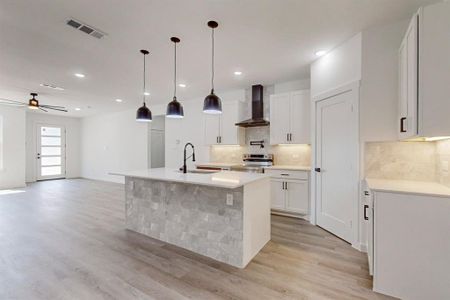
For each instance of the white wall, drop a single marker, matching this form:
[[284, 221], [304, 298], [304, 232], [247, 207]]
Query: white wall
[[338, 67], [379, 87], [73, 140], [113, 142], [12, 173]]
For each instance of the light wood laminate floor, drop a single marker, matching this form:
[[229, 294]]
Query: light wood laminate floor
[[65, 239]]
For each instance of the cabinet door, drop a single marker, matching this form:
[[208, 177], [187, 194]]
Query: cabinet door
[[403, 89], [408, 82], [278, 194], [279, 118], [300, 117], [230, 134], [212, 129], [297, 196]]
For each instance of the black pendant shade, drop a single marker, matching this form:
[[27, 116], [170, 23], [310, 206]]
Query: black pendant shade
[[143, 113], [174, 108], [212, 103]]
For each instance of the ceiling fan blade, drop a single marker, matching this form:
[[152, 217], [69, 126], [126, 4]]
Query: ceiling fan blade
[[54, 106], [43, 109], [58, 109], [4, 100]]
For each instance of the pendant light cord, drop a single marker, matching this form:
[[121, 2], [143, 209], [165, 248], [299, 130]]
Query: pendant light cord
[[175, 73], [212, 60], [144, 82]]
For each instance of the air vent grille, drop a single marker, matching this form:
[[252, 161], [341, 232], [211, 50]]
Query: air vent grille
[[86, 28]]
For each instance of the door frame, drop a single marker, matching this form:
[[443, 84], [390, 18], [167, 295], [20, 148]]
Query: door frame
[[354, 89], [37, 135]]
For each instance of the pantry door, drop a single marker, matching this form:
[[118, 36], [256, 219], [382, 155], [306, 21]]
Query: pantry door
[[51, 152], [336, 167]]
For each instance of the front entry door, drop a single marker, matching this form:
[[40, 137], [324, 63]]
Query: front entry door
[[336, 163], [51, 152]]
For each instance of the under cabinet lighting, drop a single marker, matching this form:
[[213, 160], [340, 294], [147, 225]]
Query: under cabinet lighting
[[237, 73], [77, 108], [182, 85], [79, 75], [119, 100], [321, 53]]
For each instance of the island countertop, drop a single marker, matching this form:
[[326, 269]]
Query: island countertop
[[224, 179]]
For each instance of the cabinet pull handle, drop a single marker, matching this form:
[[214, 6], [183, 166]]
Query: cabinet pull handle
[[282, 185], [402, 124], [286, 185], [290, 137], [220, 139], [284, 174], [317, 170], [366, 193], [287, 137], [365, 212]]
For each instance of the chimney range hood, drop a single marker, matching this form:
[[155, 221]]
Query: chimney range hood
[[257, 119]]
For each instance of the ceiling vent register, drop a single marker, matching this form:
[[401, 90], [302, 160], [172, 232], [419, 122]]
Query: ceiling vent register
[[86, 28]]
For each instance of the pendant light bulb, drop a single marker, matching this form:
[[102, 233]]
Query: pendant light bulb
[[212, 103], [174, 108], [143, 113]]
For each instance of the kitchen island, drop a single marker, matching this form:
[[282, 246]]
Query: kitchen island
[[222, 215]]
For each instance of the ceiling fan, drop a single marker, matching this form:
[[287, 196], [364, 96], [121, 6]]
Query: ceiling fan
[[33, 104]]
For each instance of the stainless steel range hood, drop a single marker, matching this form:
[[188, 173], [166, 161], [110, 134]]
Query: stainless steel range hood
[[257, 119]]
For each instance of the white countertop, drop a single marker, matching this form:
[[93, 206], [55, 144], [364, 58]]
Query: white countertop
[[409, 187], [224, 179], [289, 167]]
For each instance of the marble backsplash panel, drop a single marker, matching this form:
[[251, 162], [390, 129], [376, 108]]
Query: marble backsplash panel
[[298, 155], [442, 161], [401, 160]]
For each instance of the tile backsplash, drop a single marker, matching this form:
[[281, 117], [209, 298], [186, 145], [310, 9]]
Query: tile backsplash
[[401, 160], [298, 155], [424, 161]]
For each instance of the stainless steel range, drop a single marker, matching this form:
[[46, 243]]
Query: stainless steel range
[[254, 163]]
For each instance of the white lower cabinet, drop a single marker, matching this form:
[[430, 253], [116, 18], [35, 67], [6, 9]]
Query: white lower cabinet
[[290, 191], [409, 245]]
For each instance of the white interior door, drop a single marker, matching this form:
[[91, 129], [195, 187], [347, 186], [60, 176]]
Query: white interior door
[[51, 152], [337, 158]]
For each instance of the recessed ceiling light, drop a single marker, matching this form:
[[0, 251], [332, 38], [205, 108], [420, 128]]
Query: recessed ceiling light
[[182, 85], [237, 73], [119, 100], [79, 75], [146, 93], [77, 108], [321, 52]]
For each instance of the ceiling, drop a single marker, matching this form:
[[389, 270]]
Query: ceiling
[[268, 40]]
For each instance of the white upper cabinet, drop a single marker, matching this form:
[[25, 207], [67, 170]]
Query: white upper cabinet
[[290, 118], [221, 129], [424, 70]]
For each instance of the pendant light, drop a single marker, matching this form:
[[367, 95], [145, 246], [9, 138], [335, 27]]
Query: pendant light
[[144, 114], [174, 108], [212, 103]]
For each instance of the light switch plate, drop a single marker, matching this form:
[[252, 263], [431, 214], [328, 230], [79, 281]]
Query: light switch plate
[[229, 199]]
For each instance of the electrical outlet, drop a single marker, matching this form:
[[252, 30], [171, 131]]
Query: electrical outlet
[[229, 199]]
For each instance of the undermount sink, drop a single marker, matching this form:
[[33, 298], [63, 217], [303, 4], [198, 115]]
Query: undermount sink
[[201, 171]]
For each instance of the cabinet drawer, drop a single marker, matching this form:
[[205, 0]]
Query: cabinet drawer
[[287, 174]]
